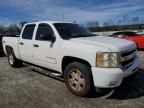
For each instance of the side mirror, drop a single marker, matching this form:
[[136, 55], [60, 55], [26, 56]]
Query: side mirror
[[53, 39]]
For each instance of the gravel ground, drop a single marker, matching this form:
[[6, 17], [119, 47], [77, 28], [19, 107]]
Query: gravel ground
[[24, 88]]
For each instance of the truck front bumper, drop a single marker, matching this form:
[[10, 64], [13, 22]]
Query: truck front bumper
[[112, 77]]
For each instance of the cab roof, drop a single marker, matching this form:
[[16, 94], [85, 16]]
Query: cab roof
[[49, 22]]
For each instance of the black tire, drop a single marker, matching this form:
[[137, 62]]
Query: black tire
[[88, 86], [133, 76], [12, 60], [2, 54]]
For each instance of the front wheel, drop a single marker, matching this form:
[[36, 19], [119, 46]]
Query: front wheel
[[78, 79], [13, 61]]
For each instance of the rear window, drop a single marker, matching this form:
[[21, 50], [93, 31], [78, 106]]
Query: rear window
[[125, 34], [131, 34], [28, 32]]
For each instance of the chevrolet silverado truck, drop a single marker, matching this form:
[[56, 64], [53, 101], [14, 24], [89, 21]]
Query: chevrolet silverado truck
[[86, 61]]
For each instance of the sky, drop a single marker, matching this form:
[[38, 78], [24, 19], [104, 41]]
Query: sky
[[81, 11]]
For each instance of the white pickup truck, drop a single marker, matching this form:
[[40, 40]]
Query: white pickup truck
[[86, 61]]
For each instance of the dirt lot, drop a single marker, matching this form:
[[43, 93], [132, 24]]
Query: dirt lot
[[24, 88]]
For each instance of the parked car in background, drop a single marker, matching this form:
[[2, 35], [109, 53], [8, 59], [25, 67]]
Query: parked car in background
[[141, 33], [134, 36]]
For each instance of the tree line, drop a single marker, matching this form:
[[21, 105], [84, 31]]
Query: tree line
[[138, 27], [12, 28], [123, 23]]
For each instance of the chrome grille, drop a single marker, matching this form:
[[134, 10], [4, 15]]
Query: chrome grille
[[126, 58]]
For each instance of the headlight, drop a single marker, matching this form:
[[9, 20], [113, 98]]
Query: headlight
[[107, 59]]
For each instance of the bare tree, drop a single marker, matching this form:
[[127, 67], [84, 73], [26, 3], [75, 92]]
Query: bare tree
[[13, 29], [2, 29], [93, 24], [22, 23], [105, 24], [96, 24]]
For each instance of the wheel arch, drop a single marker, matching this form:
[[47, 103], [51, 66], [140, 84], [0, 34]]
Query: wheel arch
[[8, 49], [69, 59]]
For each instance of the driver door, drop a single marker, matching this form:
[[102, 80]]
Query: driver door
[[44, 50]]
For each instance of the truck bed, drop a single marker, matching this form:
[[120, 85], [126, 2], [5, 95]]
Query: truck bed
[[13, 42]]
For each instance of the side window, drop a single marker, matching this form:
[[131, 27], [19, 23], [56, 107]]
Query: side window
[[44, 32], [116, 34], [28, 32], [129, 34], [122, 34], [125, 34]]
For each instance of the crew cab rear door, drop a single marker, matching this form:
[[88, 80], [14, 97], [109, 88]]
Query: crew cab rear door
[[44, 50], [26, 43]]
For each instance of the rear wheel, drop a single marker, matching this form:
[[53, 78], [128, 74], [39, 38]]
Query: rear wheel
[[78, 79], [12, 60]]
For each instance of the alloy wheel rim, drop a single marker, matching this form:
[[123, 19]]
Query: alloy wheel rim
[[11, 59], [76, 80]]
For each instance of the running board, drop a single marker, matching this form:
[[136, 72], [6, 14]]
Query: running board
[[46, 72]]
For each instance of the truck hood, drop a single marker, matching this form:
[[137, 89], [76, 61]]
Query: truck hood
[[113, 44]]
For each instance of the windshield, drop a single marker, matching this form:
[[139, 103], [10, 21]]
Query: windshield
[[69, 30]]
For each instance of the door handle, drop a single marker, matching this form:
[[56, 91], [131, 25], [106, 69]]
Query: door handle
[[21, 43], [35, 45]]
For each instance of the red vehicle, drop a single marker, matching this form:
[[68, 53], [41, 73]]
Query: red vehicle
[[134, 36]]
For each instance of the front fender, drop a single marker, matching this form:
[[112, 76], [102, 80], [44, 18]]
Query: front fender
[[89, 56]]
